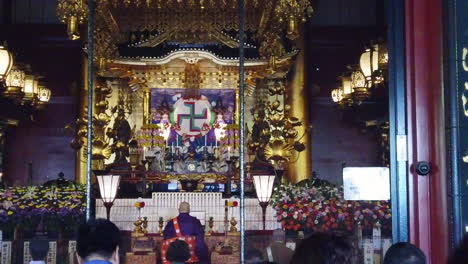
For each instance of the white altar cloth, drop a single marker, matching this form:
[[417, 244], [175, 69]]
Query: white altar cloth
[[203, 205]]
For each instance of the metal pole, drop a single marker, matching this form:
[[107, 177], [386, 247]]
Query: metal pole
[[90, 106], [241, 125]]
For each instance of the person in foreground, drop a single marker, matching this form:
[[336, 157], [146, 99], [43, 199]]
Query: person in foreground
[[178, 252], [323, 248], [38, 249], [460, 255], [98, 242], [404, 253], [188, 228]]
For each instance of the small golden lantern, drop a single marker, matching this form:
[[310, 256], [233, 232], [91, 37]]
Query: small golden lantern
[[336, 95], [6, 62], [72, 28], [360, 90], [15, 83], [44, 94], [31, 88]]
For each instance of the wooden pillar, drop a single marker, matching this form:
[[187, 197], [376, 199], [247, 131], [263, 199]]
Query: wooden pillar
[[428, 220]]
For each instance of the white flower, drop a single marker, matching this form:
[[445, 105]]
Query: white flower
[[284, 214], [7, 204]]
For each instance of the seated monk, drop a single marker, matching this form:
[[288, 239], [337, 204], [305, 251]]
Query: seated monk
[[189, 229]]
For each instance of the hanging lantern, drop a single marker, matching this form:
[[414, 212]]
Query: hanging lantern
[[335, 96], [293, 31], [360, 90], [369, 61], [44, 94], [15, 83], [346, 85], [31, 88], [6, 61], [72, 28]]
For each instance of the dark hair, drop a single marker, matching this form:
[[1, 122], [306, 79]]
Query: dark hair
[[38, 248], [97, 237], [178, 251], [323, 248], [404, 253], [460, 256]]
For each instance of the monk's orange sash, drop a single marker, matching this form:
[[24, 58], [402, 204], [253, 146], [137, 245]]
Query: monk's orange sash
[[190, 240]]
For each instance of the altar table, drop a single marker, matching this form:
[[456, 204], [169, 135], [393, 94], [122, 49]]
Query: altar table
[[203, 206]]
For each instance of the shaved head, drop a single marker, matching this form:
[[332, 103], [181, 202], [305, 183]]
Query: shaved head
[[184, 207]]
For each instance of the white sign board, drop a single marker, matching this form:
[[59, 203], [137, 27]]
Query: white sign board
[[366, 183]]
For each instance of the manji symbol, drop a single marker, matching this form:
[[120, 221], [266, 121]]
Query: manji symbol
[[192, 116]]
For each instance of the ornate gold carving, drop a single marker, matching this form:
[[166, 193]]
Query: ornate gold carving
[[274, 135], [184, 21]]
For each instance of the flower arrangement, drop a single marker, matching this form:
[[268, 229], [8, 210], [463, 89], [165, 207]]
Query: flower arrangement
[[317, 205], [55, 206]]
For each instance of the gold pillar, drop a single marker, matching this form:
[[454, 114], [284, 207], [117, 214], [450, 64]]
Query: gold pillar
[[146, 107], [298, 99], [80, 159]]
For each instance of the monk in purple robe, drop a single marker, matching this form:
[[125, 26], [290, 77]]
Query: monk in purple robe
[[189, 226]]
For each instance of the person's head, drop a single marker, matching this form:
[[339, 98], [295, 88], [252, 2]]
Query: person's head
[[323, 248], [404, 253], [178, 251], [98, 240], [253, 256], [184, 207], [38, 249], [278, 236], [460, 256]]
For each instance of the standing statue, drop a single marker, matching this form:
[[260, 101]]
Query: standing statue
[[121, 133]]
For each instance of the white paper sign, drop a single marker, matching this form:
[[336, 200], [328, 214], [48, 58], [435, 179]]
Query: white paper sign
[[6, 252], [52, 254], [26, 254], [376, 238], [368, 251], [71, 251], [366, 183]]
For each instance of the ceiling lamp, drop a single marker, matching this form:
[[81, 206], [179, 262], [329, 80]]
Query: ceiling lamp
[[15, 83], [6, 61]]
